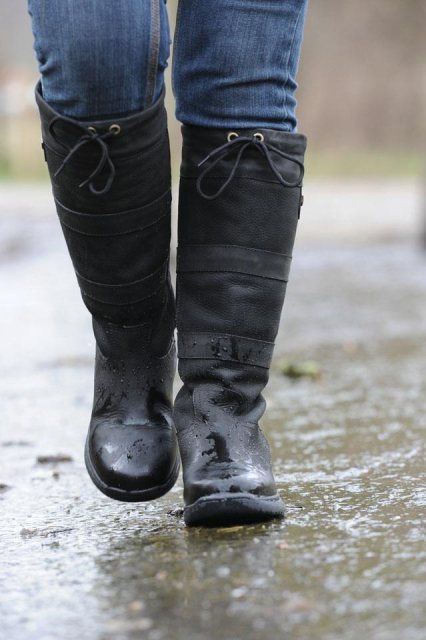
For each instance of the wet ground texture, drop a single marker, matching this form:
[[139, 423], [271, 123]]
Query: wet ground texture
[[349, 560]]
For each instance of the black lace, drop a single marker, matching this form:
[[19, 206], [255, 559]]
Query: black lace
[[245, 141], [89, 136]]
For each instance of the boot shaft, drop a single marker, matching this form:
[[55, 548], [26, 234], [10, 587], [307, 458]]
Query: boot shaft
[[240, 198], [137, 146], [111, 184]]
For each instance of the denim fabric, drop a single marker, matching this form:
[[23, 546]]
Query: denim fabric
[[96, 57], [234, 64]]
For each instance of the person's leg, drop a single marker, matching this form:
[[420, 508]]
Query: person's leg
[[240, 196], [235, 63], [100, 59], [105, 140]]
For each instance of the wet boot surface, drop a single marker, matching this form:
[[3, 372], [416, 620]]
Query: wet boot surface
[[111, 183], [239, 203]]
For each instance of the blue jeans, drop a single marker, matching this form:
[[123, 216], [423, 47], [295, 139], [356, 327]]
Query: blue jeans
[[234, 64]]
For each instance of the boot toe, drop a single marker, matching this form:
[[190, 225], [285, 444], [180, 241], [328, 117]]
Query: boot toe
[[131, 462], [230, 498], [249, 483]]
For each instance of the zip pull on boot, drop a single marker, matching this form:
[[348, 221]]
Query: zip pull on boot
[[240, 195], [111, 184]]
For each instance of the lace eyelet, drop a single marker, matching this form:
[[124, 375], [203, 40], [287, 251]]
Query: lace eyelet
[[115, 129], [232, 135], [92, 130], [259, 136]]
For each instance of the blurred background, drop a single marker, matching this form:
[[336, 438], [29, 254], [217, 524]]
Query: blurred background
[[362, 104], [346, 399], [362, 89]]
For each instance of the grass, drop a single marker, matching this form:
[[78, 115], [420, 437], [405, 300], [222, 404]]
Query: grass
[[328, 164], [364, 164]]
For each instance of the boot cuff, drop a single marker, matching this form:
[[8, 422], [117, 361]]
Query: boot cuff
[[134, 133], [206, 138], [220, 148]]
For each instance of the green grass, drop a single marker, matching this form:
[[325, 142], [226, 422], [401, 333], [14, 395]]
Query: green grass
[[328, 164], [39, 174], [364, 164]]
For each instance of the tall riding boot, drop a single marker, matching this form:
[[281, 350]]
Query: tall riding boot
[[111, 184], [240, 198]]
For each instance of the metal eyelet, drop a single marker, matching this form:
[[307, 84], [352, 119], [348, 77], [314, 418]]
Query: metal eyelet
[[232, 135], [259, 136], [115, 129], [92, 129]]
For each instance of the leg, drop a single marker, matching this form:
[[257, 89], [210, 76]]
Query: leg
[[236, 65], [111, 183], [239, 203], [100, 59]]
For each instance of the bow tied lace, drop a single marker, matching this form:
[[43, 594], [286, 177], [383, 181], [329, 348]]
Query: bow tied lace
[[89, 136], [244, 142]]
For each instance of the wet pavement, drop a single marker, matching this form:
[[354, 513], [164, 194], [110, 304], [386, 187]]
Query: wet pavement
[[349, 560]]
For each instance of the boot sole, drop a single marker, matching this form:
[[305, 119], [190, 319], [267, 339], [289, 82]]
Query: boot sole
[[227, 509], [142, 495]]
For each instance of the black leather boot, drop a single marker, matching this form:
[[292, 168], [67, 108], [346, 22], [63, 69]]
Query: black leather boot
[[239, 204], [111, 184]]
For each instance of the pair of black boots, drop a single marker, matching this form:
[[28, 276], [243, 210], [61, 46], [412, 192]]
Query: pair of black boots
[[239, 203]]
